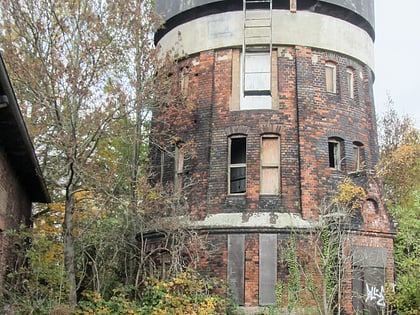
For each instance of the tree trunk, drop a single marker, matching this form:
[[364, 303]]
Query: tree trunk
[[69, 248]]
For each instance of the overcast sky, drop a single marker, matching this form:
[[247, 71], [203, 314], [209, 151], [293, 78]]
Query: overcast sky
[[397, 56]]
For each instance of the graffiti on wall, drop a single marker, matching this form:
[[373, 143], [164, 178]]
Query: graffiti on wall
[[375, 295]]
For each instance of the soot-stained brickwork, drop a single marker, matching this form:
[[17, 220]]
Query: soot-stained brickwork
[[305, 117]]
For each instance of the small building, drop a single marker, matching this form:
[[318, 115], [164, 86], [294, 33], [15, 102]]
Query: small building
[[21, 181]]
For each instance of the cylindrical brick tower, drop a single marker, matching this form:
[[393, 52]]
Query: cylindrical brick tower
[[283, 112]]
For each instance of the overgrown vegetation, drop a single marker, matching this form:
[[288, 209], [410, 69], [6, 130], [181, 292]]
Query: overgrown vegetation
[[88, 79], [400, 169], [87, 82], [317, 262]]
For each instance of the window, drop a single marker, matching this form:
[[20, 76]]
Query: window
[[255, 86], [331, 77], [179, 168], [350, 82], [335, 152], [369, 264], [357, 156], [184, 80], [257, 73], [270, 165], [237, 165]]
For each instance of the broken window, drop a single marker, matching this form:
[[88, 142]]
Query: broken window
[[270, 165], [350, 82], [331, 76], [237, 165], [335, 152]]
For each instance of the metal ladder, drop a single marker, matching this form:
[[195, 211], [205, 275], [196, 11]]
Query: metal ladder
[[257, 24], [257, 30]]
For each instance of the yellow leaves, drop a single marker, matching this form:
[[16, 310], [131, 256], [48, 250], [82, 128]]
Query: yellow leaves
[[184, 293], [350, 195], [82, 195]]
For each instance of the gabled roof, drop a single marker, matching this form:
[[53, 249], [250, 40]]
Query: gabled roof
[[15, 140]]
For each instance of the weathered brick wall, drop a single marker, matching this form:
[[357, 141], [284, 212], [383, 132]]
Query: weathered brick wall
[[15, 209], [305, 117]]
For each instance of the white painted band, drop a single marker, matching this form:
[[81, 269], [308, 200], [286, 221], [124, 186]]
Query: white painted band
[[302, 28]]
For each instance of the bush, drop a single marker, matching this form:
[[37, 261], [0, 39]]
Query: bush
[[185, 293]]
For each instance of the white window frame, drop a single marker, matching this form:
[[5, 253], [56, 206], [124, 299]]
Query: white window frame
[[236, 165], [270, 165], [257, 73], [252, 97], [331, 87]]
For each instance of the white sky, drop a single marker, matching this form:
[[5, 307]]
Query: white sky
[[397, 56]]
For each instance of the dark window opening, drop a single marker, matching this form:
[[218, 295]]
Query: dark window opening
[[333, 154], [237, 165]]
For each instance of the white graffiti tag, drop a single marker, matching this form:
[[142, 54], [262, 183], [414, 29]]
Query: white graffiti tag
[[374, 294]]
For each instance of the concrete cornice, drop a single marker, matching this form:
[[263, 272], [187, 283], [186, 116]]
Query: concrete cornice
[[303, 28]]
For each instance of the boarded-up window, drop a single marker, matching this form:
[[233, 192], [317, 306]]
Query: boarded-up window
[[237, 165], [268, 269], [331, 77], [350, 82], [270, 165], [335, 152], [236, 267]]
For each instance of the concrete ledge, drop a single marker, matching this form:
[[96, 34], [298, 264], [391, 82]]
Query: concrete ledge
[[268, 220]]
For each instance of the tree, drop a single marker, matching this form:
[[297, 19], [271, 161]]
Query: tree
[[64, 59], [399, 167], [87, 79]]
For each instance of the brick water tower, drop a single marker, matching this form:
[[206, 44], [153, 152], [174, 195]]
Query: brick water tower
[[283, 112]]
